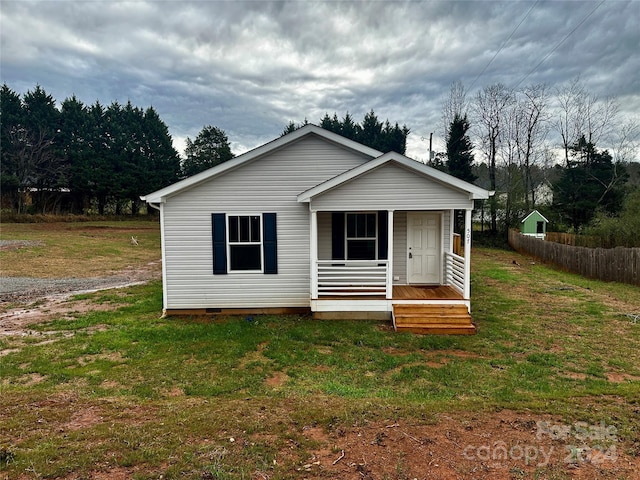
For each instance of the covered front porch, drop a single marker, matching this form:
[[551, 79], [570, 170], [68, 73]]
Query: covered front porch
[[382, 244], [420, 260]]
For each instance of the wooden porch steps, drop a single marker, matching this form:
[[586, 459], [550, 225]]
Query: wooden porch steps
[[434, 319]]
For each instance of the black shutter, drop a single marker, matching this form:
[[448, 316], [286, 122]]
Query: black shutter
[[269, 243], [219, 236], [337, 236], [383, 235]]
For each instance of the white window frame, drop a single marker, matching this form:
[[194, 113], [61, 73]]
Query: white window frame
[[259, 244], [347, 237]]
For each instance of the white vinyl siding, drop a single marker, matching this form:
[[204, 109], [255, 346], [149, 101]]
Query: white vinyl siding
[[400, 247], [324, 236], [267, 184], [391, 187]]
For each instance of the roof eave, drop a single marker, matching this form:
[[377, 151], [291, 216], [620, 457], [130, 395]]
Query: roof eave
[[162, 194], [475, 192]]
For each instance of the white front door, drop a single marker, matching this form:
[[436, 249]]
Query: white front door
[[423, 248]]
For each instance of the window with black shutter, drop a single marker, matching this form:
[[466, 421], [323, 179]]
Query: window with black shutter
[[244, 243]]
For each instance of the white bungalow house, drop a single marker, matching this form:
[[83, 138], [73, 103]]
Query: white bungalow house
[[316, 222]]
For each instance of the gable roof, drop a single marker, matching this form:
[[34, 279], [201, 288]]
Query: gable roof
[[534, 211], [258, 152], [408, 163]]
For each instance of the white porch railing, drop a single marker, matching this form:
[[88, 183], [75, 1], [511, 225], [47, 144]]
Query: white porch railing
[[352, 278], [454, 271]]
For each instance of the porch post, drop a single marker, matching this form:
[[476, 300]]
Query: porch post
[[389, 254], [467, 254], [313, 254], [452, 221]]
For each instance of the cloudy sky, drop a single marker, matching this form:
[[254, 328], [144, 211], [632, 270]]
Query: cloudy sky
[[251, 67]]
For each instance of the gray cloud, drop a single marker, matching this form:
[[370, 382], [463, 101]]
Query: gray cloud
[[250, 67]]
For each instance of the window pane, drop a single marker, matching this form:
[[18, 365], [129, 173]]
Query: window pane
[[351, 224], [245, 257], [233, 229], [361, 228], [361, 250], [371, 225], [255, 228], [244, 229]]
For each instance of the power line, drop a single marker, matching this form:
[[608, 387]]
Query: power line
[[560, 43], [503, 45]]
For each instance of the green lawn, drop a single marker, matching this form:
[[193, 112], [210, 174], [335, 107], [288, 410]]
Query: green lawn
[[156, 392], [79, 249]]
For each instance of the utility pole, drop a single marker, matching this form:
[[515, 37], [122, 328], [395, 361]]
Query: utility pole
[[430, 146]]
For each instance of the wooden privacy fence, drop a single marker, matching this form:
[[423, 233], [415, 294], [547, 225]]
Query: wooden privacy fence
[[618, 264], [578, 240]]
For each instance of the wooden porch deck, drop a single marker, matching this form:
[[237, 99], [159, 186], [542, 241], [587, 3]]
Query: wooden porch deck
[[438, 319], [426, 292], [408, 292], [421, 309]]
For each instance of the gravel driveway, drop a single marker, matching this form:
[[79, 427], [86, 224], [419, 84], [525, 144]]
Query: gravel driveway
[[14, 289], [24, 288]]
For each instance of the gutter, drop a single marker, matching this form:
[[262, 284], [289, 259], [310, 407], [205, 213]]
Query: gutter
[[151, 204]]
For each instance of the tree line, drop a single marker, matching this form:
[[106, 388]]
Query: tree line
[[539, 138], [85, 159], [94, 158], [371, 132], [80, 158]]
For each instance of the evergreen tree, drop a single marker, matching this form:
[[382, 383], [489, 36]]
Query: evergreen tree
[[348, 128], [371, 132], [35, 162], [590, 182], [90, 154], [73, 145], [460, 149], [11, 125], [161, 161], [291, 127]]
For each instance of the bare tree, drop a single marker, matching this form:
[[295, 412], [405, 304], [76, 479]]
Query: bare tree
[[455, 105], [581, 113], [33, 158], [488, 108], [533, 127], [508, 148], [570, 119], [626, 143]]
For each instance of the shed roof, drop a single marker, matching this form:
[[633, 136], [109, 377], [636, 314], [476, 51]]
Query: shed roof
[[532, 212]]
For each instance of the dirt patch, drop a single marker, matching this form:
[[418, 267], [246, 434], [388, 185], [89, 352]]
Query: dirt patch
[[616, 377], [173, 392], [575, 375], [504, 445], [46, 303], [277, 379], [27, 380], [255, 356], [115, 357], [84, 418]]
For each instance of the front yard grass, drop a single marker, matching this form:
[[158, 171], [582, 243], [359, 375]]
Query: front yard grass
[[125, 389]]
